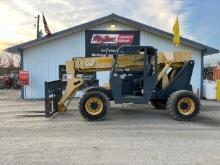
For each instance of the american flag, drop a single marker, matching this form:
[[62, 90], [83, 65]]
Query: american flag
[[46, 28]]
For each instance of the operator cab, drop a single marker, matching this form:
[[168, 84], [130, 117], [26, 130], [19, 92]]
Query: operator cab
[[133, 80]]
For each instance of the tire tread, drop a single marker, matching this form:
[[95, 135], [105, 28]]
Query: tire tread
[[171, 104], [84, 114]]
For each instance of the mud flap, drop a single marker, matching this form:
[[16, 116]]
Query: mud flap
[[53, 93]]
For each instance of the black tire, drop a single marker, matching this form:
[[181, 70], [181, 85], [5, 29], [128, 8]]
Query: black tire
[[183, 105], [2, 85], [89, 114], [8, 86], [160, 105], [16, 85]]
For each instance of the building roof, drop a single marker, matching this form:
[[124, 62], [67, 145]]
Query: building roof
[[112, 17]]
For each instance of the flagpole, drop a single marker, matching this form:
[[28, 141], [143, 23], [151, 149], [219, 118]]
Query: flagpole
[[38, 20]]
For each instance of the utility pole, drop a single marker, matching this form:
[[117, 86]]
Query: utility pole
[[38, 20]]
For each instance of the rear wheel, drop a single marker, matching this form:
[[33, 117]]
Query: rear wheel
[[183, 105], [16, 85], [159, 104], [94, 105], [2, 85]]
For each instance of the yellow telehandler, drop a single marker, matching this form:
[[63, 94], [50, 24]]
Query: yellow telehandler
[[138, 75]]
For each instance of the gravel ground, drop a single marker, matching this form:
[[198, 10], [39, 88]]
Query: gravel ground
[[130, 135]]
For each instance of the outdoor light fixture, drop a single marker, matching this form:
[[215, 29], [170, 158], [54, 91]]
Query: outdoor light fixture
[[112, 26]]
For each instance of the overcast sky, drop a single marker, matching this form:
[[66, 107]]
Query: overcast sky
[[199, 19]]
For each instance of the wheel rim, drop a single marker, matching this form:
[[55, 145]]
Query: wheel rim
[[94, 106], [186, 106]]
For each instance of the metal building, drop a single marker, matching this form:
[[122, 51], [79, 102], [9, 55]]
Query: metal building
[[41, 57]]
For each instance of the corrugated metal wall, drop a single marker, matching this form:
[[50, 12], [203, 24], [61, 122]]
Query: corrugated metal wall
[[42, 61]]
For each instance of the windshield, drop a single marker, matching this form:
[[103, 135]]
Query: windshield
[[128, 58]]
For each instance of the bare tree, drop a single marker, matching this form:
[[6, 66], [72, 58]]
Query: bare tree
[[9, 63], [0, 61], [17, 60], [4, 61], [10, 60]]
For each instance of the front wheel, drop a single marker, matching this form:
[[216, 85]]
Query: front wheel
[[94, 106], [183, 105]]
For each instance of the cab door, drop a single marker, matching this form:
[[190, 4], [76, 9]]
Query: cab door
[[134, 84]]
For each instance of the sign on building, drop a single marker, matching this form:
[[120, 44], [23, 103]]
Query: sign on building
[[102, 42]]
